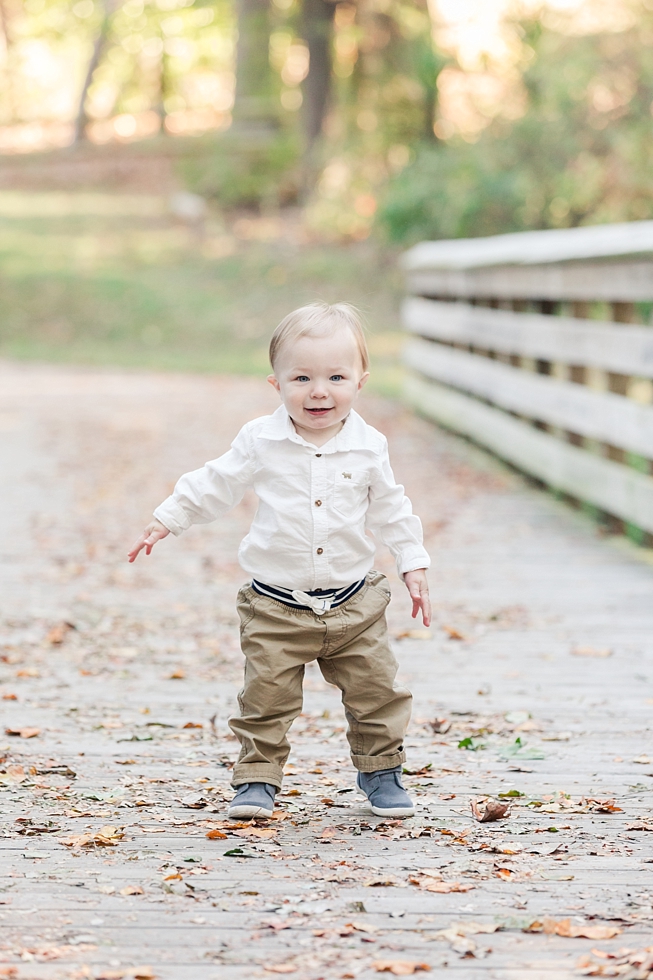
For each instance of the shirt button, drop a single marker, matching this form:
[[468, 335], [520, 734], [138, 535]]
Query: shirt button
[[320, 550], [318, 503]]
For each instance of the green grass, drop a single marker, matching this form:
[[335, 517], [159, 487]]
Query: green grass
[[107, 279]]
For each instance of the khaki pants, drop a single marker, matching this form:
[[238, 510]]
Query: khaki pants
[[350, 644]]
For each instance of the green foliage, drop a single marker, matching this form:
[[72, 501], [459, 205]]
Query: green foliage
[[580, 153], [247, 171], [100, 279]]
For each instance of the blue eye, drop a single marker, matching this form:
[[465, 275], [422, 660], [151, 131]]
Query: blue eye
[[336, 377], [302, 377]]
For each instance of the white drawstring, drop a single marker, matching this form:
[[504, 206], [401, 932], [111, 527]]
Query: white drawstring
[[318, 604]]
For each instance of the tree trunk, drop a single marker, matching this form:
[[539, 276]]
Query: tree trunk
[[253, 99], [7, 38], [317, 30], [81, 118]]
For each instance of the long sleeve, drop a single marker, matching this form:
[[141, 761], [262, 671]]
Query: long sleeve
[[202, 495], [390, 518]]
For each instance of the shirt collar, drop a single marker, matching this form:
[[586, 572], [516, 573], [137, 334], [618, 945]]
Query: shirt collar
[[353, 435]]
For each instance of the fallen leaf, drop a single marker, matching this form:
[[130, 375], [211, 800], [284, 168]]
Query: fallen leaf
[[565, 927], [193, 724], [216, 835], [641, 825], [584, 651], [440, 726], [143, 973], [399, 968], [174, 877], [194, 801], [58, 633], [517, 717], [9, 697], [471, 743], [125, 762], [23, 732], [504, 873], [493, 811], [105, 837], [418, 772], [132, 890], [642, 760], [413, 634], [264, 833], [28, 672], [428, 884], [280, 967], [177, 675], [453, 633]]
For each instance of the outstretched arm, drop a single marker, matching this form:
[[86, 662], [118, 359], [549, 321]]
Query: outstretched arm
[[418, 587], [153, 532]]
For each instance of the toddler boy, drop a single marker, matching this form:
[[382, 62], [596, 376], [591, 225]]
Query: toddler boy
[[323, 478]]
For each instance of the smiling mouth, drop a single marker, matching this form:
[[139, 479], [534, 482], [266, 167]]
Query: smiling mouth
[[318, 411]]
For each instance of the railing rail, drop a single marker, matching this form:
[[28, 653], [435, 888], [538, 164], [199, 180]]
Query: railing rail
[[539, 347]]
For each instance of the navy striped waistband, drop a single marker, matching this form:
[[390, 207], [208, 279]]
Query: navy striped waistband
[[335, 597]]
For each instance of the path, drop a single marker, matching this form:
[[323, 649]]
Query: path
[[131, 706]]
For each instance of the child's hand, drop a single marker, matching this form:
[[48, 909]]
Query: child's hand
[[152, 533], [419, 592]]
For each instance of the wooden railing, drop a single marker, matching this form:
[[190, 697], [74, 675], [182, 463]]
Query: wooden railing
[[537, 346]]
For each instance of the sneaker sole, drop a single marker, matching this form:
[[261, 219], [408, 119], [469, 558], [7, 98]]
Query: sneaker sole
[[238, 812], [397, 811]]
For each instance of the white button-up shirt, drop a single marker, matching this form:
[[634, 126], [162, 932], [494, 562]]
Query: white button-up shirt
[[315, 503]]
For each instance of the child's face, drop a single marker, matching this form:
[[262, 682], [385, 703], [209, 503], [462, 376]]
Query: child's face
[[318, 379]]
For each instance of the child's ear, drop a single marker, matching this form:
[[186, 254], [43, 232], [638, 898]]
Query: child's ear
[[363, 380], [273, 381]]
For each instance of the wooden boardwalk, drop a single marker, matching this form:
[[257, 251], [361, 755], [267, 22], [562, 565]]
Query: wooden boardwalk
[[541, 657]]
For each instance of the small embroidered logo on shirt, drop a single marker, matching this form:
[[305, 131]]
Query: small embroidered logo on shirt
[[347, 476]]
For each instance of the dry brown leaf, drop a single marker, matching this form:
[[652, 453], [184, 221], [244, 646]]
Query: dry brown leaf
[[568, 929], [642, 760], [641, 825], [143, 973], [23, 732], [413, 634], [132, 890], [280, 967], [399, 968], [453, 633], [174, 877], [105, 837], [216, 835], [177, 675], [493, 811], [380, 883], [9, 697], [262, 832], [28, 672], [440, 726], [193, 724], [586, 651], [13, 775], [58, 633], [429, 884], [504, 873]]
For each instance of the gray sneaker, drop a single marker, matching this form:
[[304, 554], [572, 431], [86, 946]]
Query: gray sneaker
[[386, 793], [252, 800]]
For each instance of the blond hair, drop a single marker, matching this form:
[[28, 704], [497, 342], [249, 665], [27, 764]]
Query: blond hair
[[318, 320]]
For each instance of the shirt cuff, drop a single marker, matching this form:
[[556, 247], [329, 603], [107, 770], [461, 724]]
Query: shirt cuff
[[172, 516], [412, 558]]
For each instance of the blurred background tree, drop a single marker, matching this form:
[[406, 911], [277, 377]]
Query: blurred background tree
[[321, 135]]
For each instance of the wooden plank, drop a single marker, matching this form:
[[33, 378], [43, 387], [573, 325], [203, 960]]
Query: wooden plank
[[623, 348], [604, 416], [620, 281], [534, 247], [610, 486]]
